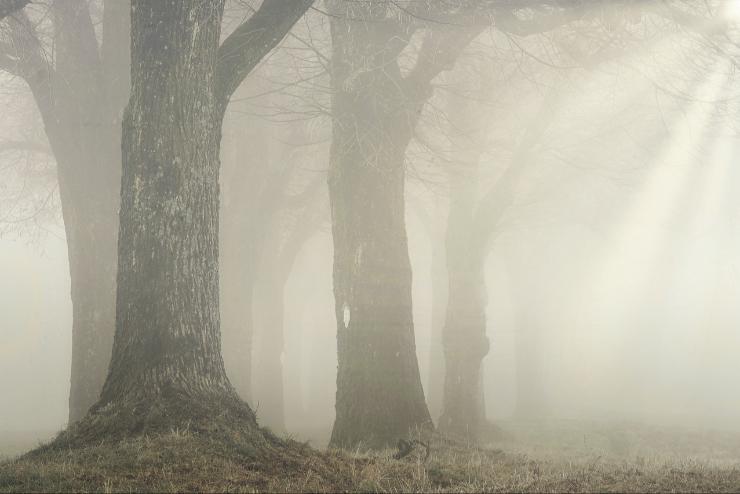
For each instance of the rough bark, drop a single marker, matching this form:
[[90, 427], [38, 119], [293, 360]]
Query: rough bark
[[379, 392], [167, 318], [166, 368]]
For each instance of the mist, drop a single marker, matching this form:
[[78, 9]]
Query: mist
[[515, 227]]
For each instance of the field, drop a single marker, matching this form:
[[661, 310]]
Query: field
[[557, 456]]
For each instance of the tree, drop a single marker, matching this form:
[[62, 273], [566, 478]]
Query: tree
[[375, 108], [166, 366], [376, 104], [269, 197], [285, 239], [471, 225], [474, 223], [80, 94]]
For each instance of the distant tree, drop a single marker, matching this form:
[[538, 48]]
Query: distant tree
[[589, 36], [469, 231], [375, 108], [271, 206], [273, 185], [382, 77], [80, 89], [285, 239]]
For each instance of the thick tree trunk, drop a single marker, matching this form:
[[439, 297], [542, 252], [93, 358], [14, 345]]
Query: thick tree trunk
[[379, 392], [90, 108], [464, 334], [93, 276], [470, 227], [88, 175], [465, 345], [80, 99], [167, 348]]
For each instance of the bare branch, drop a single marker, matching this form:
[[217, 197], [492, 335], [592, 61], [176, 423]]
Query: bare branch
[[251, 41], [439, 52]]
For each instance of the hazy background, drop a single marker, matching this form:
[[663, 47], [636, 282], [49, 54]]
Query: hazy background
[[621, 248]]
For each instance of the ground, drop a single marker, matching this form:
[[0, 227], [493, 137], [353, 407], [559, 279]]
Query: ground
[[552, 456]]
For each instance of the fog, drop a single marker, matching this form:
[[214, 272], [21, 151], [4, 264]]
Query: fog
[[612, 273]]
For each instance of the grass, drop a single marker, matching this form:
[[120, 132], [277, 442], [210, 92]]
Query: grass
[[528, 457]]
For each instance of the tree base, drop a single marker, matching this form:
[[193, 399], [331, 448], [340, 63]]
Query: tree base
[[175, 442], [182, 461], [217, 415]]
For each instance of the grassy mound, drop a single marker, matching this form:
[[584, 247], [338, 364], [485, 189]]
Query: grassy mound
[[178, 461], [187, 460]]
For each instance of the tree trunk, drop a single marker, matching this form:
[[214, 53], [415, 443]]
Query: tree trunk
[[80, 102], [464, 334], [471, 225], [91, 227], [166, 345], [92, 259], [285, 238], [465, 345], [167, 348], [379, 392]]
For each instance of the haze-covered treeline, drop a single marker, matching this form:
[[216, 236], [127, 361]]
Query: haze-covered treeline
[[356, 222]]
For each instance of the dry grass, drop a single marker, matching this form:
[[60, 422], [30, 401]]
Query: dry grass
[[559, 457]]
